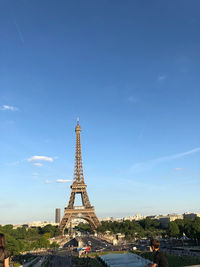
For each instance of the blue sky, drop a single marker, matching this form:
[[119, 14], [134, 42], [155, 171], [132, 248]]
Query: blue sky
[[130, 71]]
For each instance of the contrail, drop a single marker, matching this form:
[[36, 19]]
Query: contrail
[[141, 166], [19, 32], [179, 155], [15, 23]]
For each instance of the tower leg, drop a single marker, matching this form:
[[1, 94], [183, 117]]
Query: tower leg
[[64, 223]]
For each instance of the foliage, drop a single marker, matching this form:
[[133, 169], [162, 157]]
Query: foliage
[[151, 228], [84, 227], [132, 229], [26, 239], [50, 229], [16, 264], [189, 228], [149, 224], [173, 229], [54, 245]]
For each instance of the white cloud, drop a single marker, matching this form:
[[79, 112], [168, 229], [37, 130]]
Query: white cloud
[[48, 181], [178, 169], [162, 77], [143, 166], [40, 158], [63, 181], [38, 164], [7, 107]]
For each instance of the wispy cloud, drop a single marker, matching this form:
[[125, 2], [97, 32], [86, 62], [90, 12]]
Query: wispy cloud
[[40, 158], [63, 181], [180, 155], [162, 77], [48, 181], [38, 164], [8, 108], [178, 169], [21, 37], [143, 166]]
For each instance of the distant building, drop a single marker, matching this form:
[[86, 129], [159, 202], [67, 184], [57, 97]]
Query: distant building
[[120, 236], [138, 217], [77, 221], [57, 217], [151, 217], [111, 219], [34, 224], [191, 216], [166, 219], [104, 219], [130, 218]]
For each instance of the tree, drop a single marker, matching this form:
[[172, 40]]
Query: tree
[[20, 233], [181, 225], [188, 228], [42, 242], [173, 229], [8, 228], [84, 227], [52, 230], [148, 223], [54, 245], [12, 245], [57, 231], [33, 233], [196, 228]]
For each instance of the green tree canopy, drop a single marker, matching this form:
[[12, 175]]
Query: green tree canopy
[[173, 229]]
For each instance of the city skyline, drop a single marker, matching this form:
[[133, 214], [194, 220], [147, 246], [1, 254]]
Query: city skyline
[[130, 71], [134, 217]]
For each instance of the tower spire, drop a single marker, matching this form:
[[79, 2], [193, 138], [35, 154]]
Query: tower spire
[[78, 166]]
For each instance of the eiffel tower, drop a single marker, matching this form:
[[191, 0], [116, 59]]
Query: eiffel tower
[[86, 211]]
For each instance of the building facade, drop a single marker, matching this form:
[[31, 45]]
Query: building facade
[[57, 217]]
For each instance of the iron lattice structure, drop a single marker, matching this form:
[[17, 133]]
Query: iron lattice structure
[[86, 211]]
